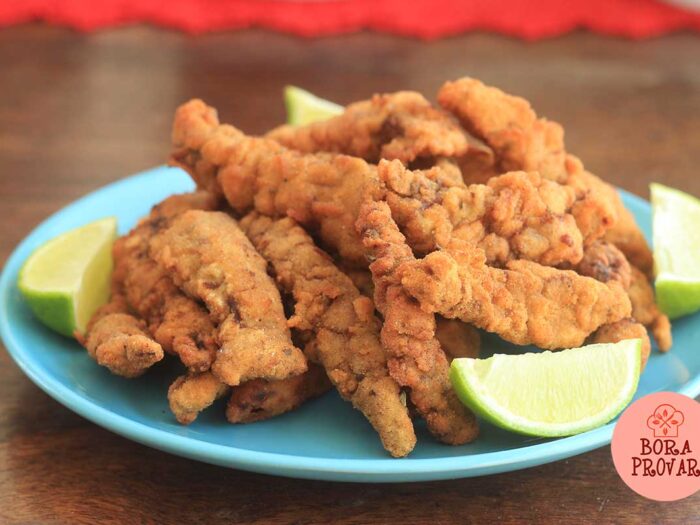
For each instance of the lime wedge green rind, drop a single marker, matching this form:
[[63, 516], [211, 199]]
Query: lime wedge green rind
[[66, 279], [676, 232], [305, 108], [550, 394]]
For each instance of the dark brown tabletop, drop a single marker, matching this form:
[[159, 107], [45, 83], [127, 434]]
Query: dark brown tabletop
[[79, 111]]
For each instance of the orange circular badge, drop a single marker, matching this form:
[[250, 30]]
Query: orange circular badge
[[656, 446]]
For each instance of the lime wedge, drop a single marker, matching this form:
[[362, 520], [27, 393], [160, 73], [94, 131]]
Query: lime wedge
[[304, 108], [676, 226], [550, 393], [65, 280]]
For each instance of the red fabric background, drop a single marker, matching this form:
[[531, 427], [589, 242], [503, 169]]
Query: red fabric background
[[529, 19]]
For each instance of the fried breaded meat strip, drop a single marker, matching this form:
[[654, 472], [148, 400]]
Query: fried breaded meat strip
[[119, 341], [508, 125], [259, 399], [522, 141], [192, 393], [456, 338], [179, 324], [416, 360], [345, 331], [194, 122], [402, 126], [525, 303], [254, 400], [322, 192], [515, 215], [211, 259]]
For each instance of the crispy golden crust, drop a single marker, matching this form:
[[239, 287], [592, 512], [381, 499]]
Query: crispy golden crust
[[211, 259], [621, 330], [525, 303], [456, 338], [179, 324], [508, 125], [516, 215], [605, 262], [450, 172], [522, 141], [598, 206], [260, 173], [259, 399], [118, 341], [645, 311], [254, 400], [416, 360], [192, 393], [402, 126], [345, 331], [193, 123], [323, 192]]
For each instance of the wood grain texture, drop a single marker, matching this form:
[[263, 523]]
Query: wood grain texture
[[79, 111]]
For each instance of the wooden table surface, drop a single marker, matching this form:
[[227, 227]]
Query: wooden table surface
[[79, 111]]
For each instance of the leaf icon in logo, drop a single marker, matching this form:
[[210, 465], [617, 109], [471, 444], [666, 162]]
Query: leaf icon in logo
[[665, 420]]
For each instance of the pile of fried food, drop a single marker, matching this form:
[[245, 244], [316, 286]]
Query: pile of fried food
[[364, 253]]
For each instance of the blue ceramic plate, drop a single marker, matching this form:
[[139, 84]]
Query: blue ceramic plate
[[324, 439]]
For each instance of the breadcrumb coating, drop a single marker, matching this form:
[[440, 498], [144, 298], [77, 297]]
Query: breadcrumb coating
[[416, 360], [402, 126], [342, 321], [212, 260]]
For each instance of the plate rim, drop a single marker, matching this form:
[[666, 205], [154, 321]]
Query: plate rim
[[333, 469]]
